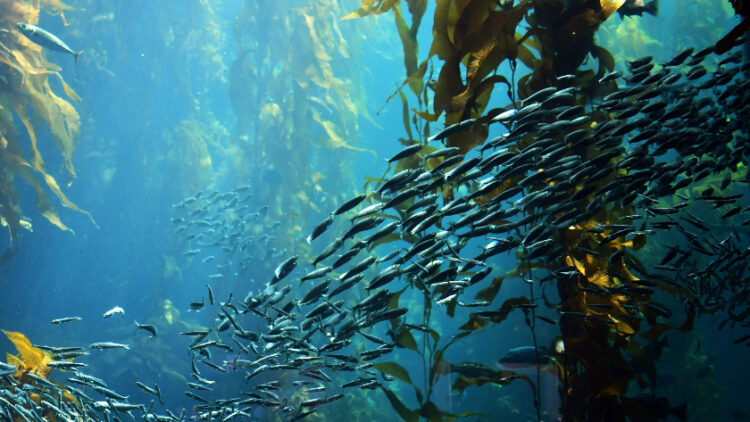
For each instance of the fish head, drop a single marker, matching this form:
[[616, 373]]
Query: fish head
[[25, 28]]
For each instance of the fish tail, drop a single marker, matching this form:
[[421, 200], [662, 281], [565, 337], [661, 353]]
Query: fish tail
[[158, 393], [652, 7], [76, 54]]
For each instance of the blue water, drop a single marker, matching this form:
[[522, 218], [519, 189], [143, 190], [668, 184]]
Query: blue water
[[139, 81]]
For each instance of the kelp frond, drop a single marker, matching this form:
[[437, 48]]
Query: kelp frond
[[29, 359], [27, 96]]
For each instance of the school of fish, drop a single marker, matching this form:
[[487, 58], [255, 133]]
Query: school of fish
[[665, 128]]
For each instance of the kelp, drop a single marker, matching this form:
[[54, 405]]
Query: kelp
[[473, 38], [26, 95], [189, 158], [298, 99], [426, 342], [639, 42], [29, 359], [203, 43], [371, 7], [194, 35]]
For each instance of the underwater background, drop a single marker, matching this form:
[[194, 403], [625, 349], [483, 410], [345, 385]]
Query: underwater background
[[286, 110]]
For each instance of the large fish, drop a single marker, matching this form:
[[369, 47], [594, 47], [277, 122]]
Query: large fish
[[46, 39]]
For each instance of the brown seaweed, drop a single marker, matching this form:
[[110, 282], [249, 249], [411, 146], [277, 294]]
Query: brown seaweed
[[29, 359], [27, 95]]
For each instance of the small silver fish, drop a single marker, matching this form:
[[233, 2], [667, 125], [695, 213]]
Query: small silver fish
[[115, 310], [108, 345], [108, 404], [46, 39], [65, 319], [66, 365]]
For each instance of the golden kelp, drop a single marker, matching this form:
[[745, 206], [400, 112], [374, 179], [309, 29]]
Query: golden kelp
[[26, 93], [30, 359]]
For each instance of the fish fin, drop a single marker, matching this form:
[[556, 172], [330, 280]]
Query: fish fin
[[76, 54], [652, 7]]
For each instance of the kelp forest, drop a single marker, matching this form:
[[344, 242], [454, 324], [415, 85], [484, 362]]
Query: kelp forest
[[296, 82], [27, 95], [407, 210]]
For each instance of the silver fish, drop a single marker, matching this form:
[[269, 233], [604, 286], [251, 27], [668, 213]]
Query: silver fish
[[108, 345], [113, 311], [46, 39], [65, 319]]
